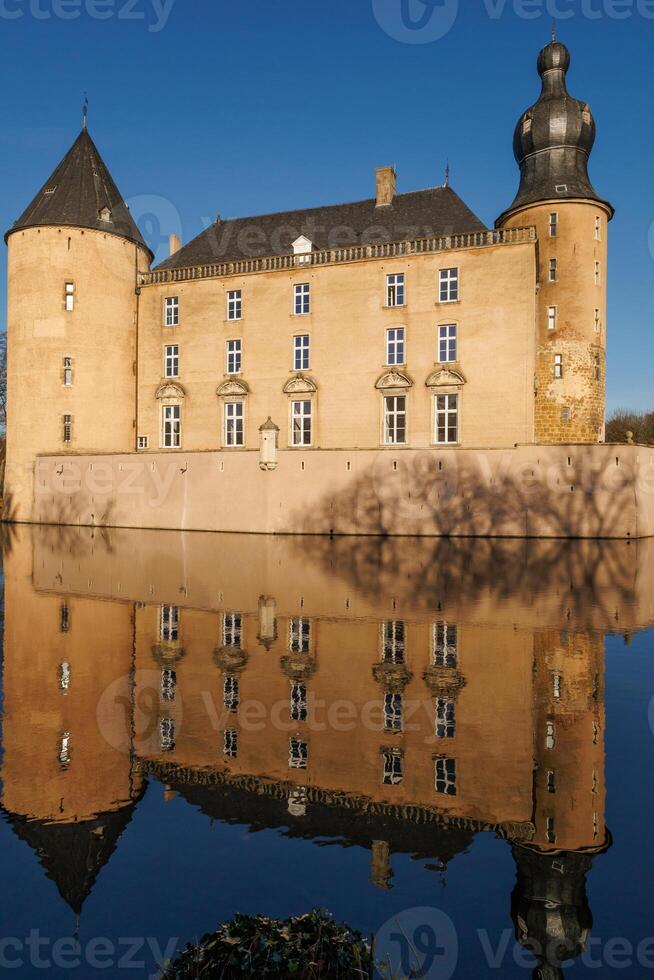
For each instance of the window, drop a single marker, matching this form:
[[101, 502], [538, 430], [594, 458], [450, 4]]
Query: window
[[445, 645], [446, 419], [169, 624], [230, 743], [301, 423], [449, 285], [550, 735], [598, 229], [393, 767], [445, 776], [68, 371], [168, 685], [167, 734], [552, 317], [395, 420], [64, 618], [230, 692], [551, 834], [598, 368], [298, 753], [142, 442], [598, 274], [234, 431], [393, 642], [302, 297], [67, 433], [553, 270], [445, 718], [597, 321], [395, 346], [447, 343], [556, 686], [301, 353], [395, 290], [69, 296], [299, 702], [171, 361], [64, 676], [232, 624], [554, 224], [393, 712], [299, 638], [558, 366], [234, 304], [171, 311], [551, 781], [64, 750], [234, 356], [565, 414], [171, 424]]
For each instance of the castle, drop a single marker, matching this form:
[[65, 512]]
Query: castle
[[360, 368]]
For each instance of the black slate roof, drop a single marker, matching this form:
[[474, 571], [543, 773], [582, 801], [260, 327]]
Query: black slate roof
[[75, 194], [435, 212]]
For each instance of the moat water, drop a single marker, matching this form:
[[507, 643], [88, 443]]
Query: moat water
[[447, 744]]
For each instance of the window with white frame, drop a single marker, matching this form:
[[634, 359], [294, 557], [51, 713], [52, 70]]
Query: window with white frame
[[298, 753], [447, 343], [69, 296], [445, 776], [552, 317], [299, 634], [446, 640], [64, 618], [230, 692], [234, 304], [449, 285], [302, 298], [142, 442], [64, 750], [301, 423], [395, 289], [168, 685], [171, 426], [171, 361], [446, 419], [393, 711], [553, 224], [558, 366], [445, 718], [68, 371], [167, 734], [394, 420], [550, 735], [171, 311], [232, 625], [169, 624], [230, 743], [393, 642], [64, 676], [556, 687], [553, 270], [393, 772], [234, 433], [298, 705], [395, 346], [301, 352], [233, 356], [67, 433]]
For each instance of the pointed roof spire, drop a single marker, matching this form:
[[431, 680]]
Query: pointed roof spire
[[81, 193]]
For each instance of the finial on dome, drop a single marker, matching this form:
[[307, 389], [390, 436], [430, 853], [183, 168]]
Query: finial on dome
[[553, 30], [447, 174], [85, 110]]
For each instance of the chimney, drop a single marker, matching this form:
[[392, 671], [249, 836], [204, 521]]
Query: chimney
[[386, 181], [175, 244]]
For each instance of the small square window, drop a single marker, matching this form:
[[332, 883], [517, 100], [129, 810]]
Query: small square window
[[302, 299], [142, 442], [395, 289], [449, 285], [171, 311], [234, 304]]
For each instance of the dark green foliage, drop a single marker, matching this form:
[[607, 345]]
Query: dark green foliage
[[305, 947], [641, 424]]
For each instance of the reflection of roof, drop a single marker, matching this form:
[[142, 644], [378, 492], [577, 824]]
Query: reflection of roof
[[73, 854]]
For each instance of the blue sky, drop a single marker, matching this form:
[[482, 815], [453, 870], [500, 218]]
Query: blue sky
[[204, 106]]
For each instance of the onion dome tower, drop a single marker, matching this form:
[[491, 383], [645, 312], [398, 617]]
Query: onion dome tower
[[73, 260], [552, 145]]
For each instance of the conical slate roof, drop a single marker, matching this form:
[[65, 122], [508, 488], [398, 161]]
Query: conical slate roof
[[77, 194]]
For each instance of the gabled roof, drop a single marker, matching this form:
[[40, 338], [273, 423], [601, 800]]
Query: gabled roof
[[76, 194], [435, 212]]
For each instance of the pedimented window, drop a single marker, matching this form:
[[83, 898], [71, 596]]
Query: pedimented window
[[445, 378], [300, 384], [233, 388], [393, 379], [170, 392]]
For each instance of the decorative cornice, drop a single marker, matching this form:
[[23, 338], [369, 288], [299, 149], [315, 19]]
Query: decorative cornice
[[300, 384], [170, 390], [393, 379], [445, 377], [232, 387]]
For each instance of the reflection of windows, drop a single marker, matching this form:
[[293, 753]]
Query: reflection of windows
[[232, 623], [298, 753], [393, 642], [230, 743], [445, 776], [393, 767], [167, 734], [64, 676], [299, 639], [551, 781], [64, 618], [596, 732], [550, 735], [64, 750], [445, 645], [556, 686], [299, 702], [169, 624], [393, 712], [445, 718], [551, 835], [230, 692], [168, 685]]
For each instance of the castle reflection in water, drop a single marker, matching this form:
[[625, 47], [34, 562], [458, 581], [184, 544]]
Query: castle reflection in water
[[398, 695]]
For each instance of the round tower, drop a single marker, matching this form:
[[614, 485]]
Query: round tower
[[552, 145], [73, 258]]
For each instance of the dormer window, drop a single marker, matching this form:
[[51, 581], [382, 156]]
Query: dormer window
[[302, 248], [105, 214]]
